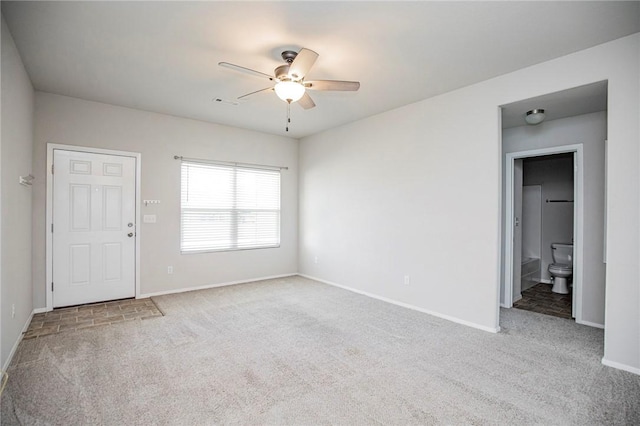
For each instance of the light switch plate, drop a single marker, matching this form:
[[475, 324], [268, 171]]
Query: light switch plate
[[149, 218]]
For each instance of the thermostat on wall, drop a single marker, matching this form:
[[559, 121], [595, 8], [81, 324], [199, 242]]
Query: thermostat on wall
[[149, 218]]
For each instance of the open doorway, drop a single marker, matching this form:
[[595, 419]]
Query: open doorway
[[545, 188], [574, 135]]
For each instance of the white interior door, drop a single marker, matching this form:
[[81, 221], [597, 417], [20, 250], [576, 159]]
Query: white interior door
[[517, 229], [577, 242], [94, 228]]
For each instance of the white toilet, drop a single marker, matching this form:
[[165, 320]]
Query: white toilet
[[562, 267]]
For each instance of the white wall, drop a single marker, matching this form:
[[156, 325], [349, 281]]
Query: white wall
[[417, 191], [70, 121], [397, 194], [590, 130], [555, 177], [15, 223]]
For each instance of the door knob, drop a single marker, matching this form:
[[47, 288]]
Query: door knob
[[130, 234]]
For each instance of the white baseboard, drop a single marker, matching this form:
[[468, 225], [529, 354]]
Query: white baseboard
[[206, 286], [15, 345], [405, 305], [591, 324], [619, 366], [546, 281], [41, 310]]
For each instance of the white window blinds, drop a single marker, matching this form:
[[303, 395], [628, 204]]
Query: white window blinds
[[228, 207]]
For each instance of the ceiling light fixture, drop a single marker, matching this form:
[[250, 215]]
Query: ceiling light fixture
[[289, 91], [535, 116]]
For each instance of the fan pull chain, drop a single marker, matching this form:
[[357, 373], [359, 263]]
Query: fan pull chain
[[288, 114]]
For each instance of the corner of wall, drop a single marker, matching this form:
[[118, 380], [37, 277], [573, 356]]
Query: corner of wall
[[17, 118]]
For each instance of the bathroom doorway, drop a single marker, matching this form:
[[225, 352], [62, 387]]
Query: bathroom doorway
[[544, 206], [547, 217], [573, 123]]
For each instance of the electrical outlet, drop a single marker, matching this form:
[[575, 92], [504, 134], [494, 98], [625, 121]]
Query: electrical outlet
[[169, 269], [407, 280], [13, 310], [315, 259]]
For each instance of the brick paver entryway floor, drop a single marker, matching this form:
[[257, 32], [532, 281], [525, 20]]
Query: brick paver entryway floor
[[83, 316]]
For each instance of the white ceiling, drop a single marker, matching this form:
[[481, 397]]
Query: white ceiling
[[567, 103], [163, 56]]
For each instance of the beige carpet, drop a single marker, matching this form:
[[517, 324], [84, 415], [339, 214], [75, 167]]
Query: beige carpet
[[294, 351]]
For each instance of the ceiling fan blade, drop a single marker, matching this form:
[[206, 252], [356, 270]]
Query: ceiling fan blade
[[345, 86], [245, 70], [253, 93], [306, 102], [302, 63]]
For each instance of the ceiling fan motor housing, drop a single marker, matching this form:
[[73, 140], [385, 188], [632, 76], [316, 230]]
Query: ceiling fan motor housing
[[289, 56], [282, 73]]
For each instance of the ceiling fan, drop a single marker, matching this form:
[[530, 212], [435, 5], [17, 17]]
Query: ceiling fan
[[290, 84]]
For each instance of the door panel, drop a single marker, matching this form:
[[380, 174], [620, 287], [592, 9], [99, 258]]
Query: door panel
[[517, 229], [112, 258], [112, 208], [79, 264], [93, 215], [80, 206]]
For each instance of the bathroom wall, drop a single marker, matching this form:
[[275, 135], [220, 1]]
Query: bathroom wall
[[554, 174], [590, 130], [531, 221], [531, 235]]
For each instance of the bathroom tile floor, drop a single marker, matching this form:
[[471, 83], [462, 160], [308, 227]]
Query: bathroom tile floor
[[542, 300]]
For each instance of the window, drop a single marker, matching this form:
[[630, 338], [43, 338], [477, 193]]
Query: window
[[228, 207]]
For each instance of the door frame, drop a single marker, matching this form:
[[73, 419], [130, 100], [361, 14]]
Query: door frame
[[578, 220], [49, 212]]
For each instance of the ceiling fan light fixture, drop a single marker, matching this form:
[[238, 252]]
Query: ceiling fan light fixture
[[535, 116], [289, 91]]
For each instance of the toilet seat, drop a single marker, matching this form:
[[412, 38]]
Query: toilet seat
[[560, 267]]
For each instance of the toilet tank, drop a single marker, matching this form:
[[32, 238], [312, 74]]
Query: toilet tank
[[562, 253]]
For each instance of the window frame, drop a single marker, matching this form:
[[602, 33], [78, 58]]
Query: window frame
[[234, 211]]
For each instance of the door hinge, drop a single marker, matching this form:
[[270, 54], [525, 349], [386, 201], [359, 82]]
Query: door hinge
[[52, 169], [52, 228], [51, 286]]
